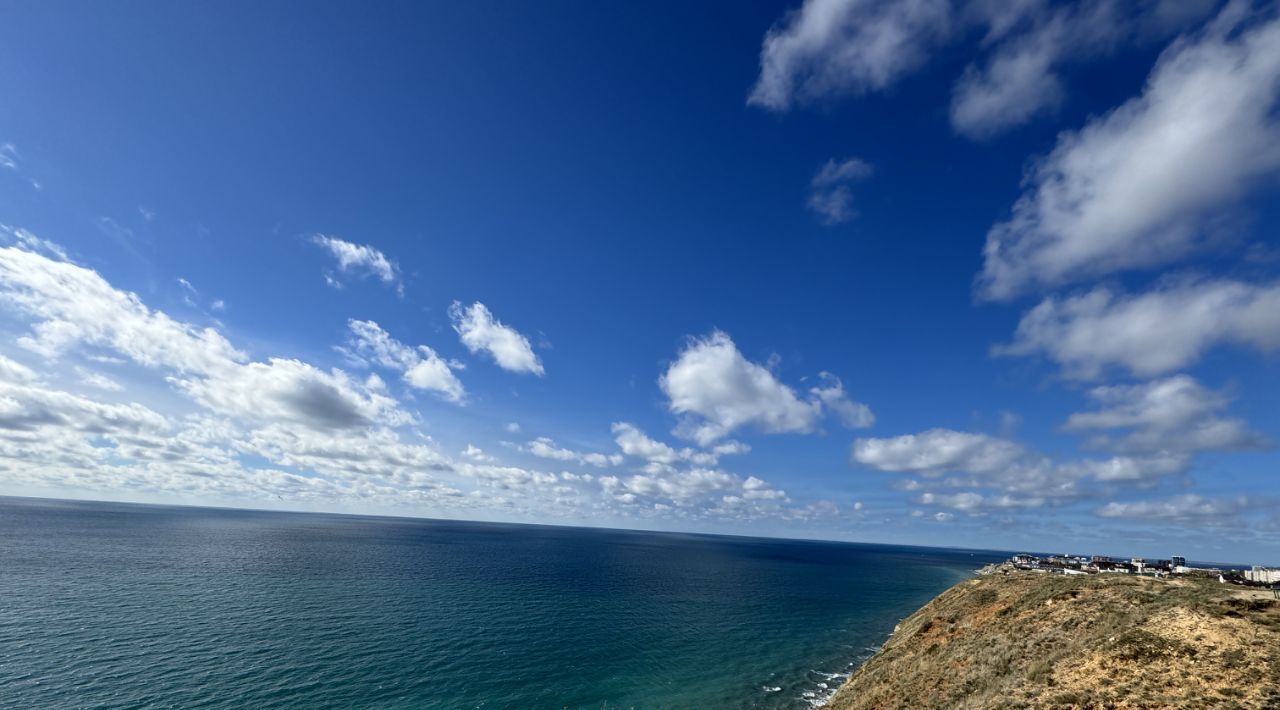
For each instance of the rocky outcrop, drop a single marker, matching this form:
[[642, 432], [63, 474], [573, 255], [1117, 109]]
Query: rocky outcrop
[[1023, 640]]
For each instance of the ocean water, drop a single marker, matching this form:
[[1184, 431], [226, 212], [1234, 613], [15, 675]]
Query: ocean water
[[124, 606]]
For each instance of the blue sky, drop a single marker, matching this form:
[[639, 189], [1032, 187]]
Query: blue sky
[[997, 275]]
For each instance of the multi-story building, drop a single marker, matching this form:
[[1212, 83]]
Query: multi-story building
[[1263, 575]]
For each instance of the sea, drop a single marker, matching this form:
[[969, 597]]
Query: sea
[[108, 605]]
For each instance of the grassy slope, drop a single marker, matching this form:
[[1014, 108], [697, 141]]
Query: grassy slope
[[1113, 641]]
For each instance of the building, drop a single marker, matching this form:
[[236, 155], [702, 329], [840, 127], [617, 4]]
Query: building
[[1263, 575], [1178, 561]]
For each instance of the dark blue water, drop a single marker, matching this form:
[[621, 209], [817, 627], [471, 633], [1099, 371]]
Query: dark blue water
[[109, 605]]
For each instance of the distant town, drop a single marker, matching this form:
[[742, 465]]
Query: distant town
[[1257, 576]]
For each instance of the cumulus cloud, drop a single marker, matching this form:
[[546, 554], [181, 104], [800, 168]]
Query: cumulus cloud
[[480, 331], [13, 371], [289, 390], [1174, 414], [421, 367], [846, 47], [1018, 82], [72, 306], [358, 260], [1030, 41], [966, 502], [1146, 183], [32, 408], [719, 493], [32, 243], [546, 448], [677, 480], [718, 390], [1014, 476], [1132, 469], [936, 451], [98, 380], [1161, 330], [1188, 508], [830, 194], [634, 442], [475, 453], [852, 415], [317, 437], [834, 48]]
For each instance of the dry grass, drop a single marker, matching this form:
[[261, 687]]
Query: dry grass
[[1107, 641]]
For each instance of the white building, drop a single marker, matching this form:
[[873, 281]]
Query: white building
[[1264, 575]]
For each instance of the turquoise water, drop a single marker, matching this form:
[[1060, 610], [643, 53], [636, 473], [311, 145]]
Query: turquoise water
[[110, 605]]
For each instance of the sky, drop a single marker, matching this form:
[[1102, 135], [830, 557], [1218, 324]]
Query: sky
[[998, 275]]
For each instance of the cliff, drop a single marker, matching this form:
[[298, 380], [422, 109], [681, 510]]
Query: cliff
[[1025, 640]]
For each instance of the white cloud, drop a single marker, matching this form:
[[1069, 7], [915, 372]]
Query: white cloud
[[35, 409], [720, 494], [32, 243], [1167, 328], [832, 48], [1021, 478], [1143, 185], [1132, 469], [1015, 85], [830, 194], [853, 415], [289, 390], [359, 260], [546, 448], [477, 454], [479, 330], [421, 367], [15, 372], [634, 442], [319, 438], [1184, 508], [189, 292], [1031, 40], [936, 451], [846, 47], [98, 380], [513, 427], [1175, 414], [966, 502], [730, 448], [73, 306], [718, 390]]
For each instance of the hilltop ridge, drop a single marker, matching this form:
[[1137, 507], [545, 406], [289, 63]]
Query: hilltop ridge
[[1013, 639]]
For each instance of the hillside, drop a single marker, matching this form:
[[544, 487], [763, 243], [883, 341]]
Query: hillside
[[1115, 641]]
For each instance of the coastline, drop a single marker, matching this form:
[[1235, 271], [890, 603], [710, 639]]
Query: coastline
[[1020, 639], [824, 694]]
